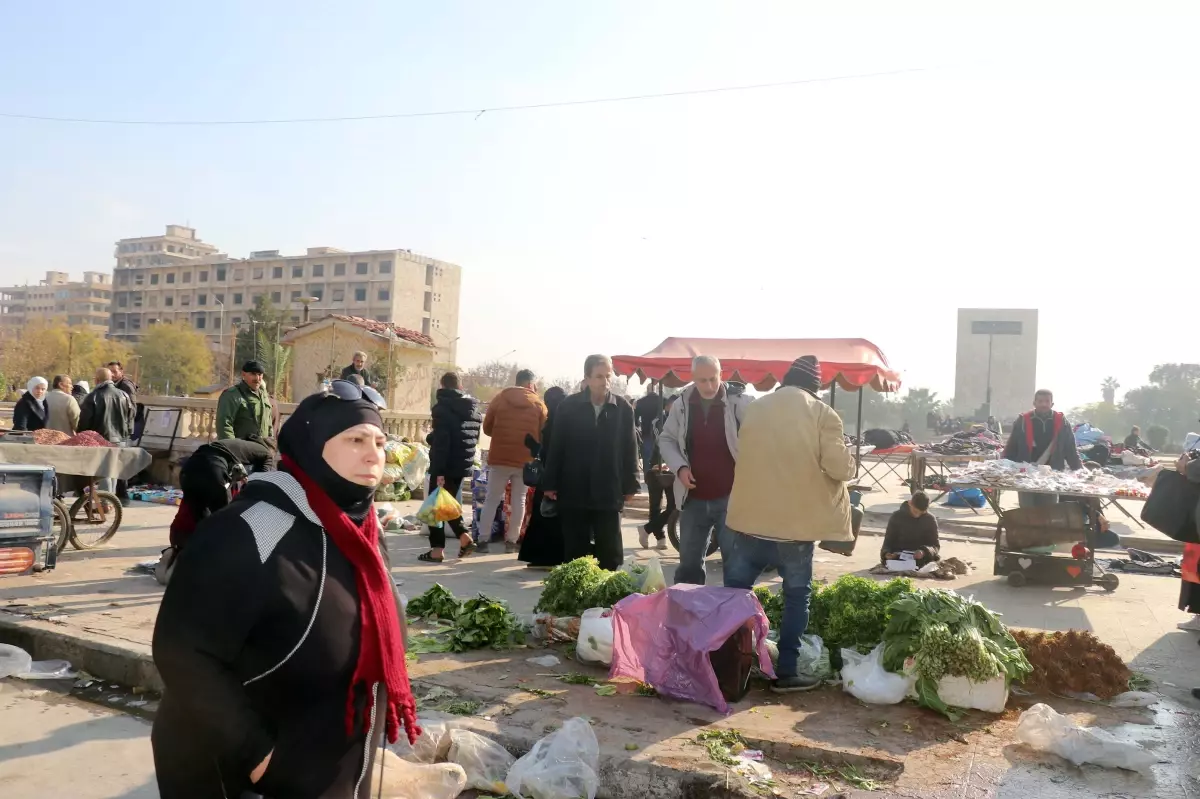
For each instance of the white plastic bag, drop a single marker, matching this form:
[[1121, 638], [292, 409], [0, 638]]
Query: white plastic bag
[[595, 637], [648, 577], [563, 765], [1049, 731], [813, 660], [402, 779], [434, 741], [485, 761], [865, 678], [48, 670], [13, 661]]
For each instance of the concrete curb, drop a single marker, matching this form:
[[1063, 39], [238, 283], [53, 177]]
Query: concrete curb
[[127, 664]]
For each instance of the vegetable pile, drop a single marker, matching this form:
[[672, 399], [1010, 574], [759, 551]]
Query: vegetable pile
[[945, 634], [477, 623], [573, 587], [772, 605], [1074, 661], [852, 612], [436, 603]]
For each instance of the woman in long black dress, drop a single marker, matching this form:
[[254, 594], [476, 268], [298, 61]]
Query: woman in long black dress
[[542, 547]]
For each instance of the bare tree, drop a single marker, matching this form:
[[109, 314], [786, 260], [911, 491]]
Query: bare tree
[[488, 379]]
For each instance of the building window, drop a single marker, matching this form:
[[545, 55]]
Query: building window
[[153, 300], [276, 297], [428, 301], [425, 326], [360, 295], [154, 280], [258, 274], [318, 270], [276, 272], [170, 248], [361, 268], [120, 324], [428, 274], [203, 278], [220, 273], [385, 267], [295, 296], [255, 299], [168, 301], [339, 295], [201, 322], [237, 320], [123, 279], [186, 299], [187, 277], [122, 300], [170, 278], [298, 271], [339, 269], [219, 299], [384, 295], [202, 299], [237, 299]]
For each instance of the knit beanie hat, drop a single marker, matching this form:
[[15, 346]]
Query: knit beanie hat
[[804, 373]]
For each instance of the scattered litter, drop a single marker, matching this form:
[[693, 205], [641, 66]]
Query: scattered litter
[[433, 743], [138, 703], [562, 765], [112, 700], [1046, 730], [13, 661], [438, 694], [546, 661], [752, 754], [606, 690], [755, 773], [816, 789], [403, 779], [48, 670], [485, 762]]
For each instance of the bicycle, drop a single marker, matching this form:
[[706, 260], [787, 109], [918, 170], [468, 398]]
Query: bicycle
[[95, 517]]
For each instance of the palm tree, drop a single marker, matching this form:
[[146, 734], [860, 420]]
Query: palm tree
[[1109, 389]]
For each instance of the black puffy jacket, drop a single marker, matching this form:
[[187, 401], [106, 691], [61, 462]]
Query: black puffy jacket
[[456, 425]]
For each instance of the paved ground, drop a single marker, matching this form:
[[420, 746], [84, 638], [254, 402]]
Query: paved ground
[[91, 594]]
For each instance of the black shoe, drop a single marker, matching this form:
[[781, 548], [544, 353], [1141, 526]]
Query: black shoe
[[482, 547], [794, 685]]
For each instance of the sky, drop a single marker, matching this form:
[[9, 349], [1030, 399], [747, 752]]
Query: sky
[[1010, 157]]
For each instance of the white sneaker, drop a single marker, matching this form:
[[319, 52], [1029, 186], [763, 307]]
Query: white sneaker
[[1191, 626], [643, 538], [661, 546]]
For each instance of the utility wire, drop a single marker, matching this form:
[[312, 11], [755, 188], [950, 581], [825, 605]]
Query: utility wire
[[477, 112]]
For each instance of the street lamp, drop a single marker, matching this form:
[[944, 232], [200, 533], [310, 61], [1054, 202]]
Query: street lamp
[[306, 302]]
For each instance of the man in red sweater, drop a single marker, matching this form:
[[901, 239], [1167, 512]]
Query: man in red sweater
[[699, 443]]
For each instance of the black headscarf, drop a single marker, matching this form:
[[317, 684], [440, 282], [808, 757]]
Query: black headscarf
[[553, 396], [302, 438]]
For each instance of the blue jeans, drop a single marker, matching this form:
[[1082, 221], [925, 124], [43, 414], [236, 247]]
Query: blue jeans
[[699, 520], [745, 558]]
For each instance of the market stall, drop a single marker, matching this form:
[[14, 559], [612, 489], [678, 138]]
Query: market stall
[[1028, 540], [93, 521], [849, 363]]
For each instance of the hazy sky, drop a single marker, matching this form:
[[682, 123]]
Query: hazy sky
[[1034, 160]]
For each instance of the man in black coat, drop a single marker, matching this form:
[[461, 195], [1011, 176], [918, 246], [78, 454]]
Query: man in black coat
[[452, 443], [107, 411], [591, 470], [121, 380], [912, 529], [1042, 436]]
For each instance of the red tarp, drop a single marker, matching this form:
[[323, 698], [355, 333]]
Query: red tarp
[[852, 362]]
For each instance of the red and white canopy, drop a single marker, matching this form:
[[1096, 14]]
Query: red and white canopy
[[850, 362]]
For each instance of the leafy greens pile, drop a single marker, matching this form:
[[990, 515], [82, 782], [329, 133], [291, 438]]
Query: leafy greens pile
[[772, 605], [436, 603], [852, 612], [948, 635], [573, 587], [483, 622]]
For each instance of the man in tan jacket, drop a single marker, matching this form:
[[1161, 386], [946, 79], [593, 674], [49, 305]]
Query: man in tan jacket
[[789, 492], [515, 413], [62, 411]]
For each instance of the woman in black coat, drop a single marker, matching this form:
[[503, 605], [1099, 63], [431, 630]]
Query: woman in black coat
[[30, 411], [280, 637], [452, 443], [542, 546]]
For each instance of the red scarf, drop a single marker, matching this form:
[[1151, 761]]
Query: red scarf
[[1058, 423], [381, 644]]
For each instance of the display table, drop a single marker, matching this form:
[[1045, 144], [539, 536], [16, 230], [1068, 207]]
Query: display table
[[120, 463], [876, 465], [923, 463]]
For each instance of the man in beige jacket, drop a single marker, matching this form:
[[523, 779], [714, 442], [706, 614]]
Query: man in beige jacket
[[62, 409], [789, 492]]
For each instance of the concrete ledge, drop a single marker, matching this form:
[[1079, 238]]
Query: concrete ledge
[[127, 664]]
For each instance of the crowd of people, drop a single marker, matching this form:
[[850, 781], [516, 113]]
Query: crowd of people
[[110, 409]]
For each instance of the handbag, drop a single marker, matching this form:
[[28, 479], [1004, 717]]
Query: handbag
[[531, 473], [1171, 507]]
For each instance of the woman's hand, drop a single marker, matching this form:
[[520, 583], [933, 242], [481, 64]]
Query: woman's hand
[[261, 769], [1182, 464]]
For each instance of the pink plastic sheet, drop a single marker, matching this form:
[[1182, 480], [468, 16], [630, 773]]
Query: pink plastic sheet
[[665, 638]]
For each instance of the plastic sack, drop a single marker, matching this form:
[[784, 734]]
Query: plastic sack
[[433, 744], [814, 658], [595, 637], [1046, 730], [563, 765], [438, 507], [402, 779], [13, 661], [416, 468], [666, 639], [485, 761], [865, 678], [648, 577]]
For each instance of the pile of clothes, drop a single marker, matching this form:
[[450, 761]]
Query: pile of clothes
[[1137, 561], [976, 442]]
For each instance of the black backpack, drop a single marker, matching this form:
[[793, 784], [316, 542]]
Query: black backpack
[[880, 439]]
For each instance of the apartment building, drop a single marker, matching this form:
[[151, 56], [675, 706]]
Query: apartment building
[[180, 279], [81, 304]]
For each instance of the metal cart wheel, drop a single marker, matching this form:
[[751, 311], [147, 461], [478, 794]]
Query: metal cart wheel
[[95, 521], [1109, 582], [673, 534], [1016, 579], [62, 526]]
